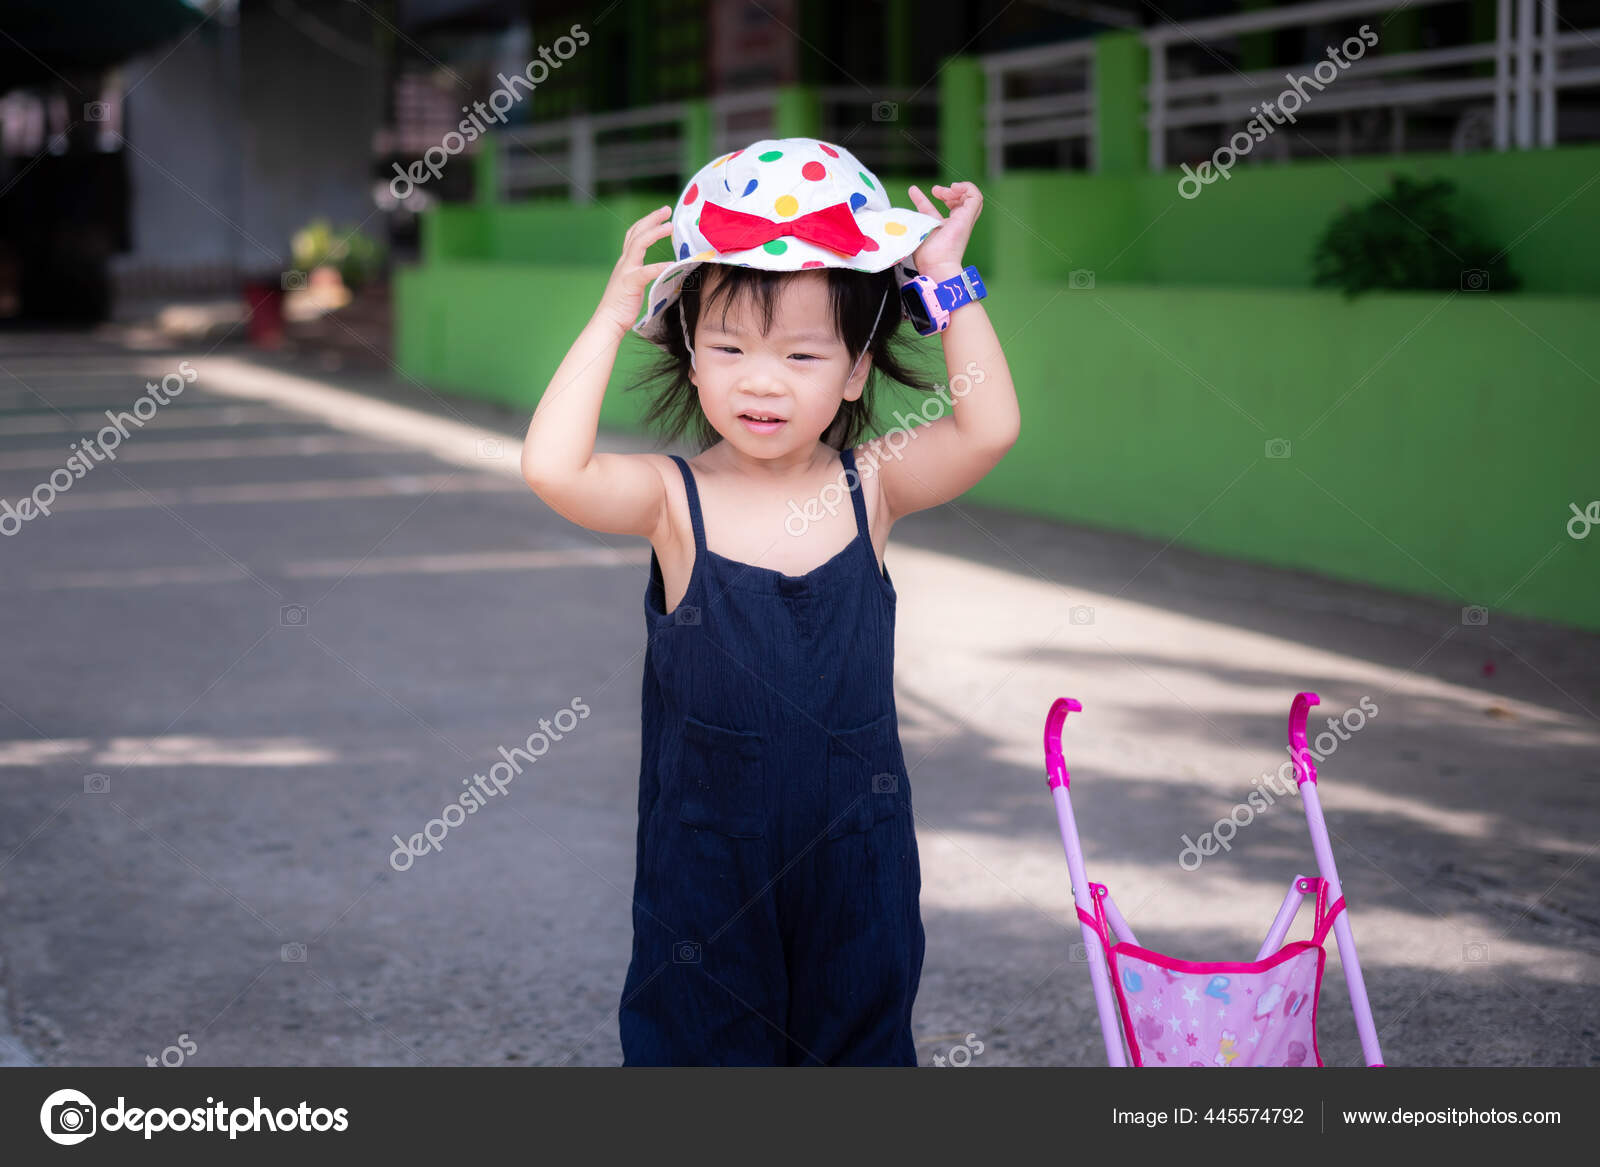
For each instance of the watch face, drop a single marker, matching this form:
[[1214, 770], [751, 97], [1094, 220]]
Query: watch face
[[916, 310]]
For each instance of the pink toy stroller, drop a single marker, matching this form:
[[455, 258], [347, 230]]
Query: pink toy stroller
[[1172, 1012]]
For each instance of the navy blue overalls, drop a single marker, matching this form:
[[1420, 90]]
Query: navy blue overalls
[[775, 913]]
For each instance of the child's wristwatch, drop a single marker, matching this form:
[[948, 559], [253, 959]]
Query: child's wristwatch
[[928, 305]]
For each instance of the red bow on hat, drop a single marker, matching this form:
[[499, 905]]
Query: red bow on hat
[[832, 227]]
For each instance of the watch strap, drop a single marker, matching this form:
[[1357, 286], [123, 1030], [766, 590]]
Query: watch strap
[[962, 288]]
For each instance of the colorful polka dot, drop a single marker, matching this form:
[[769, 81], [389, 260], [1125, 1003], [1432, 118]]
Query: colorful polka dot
[[857, 201], [719, 162], [683, 251], [815, 171], [828, 150], [694, 193], [658, 307], [748, 189], [771, 155], [706, 255], [775, 247], [895, 228], [869, 245], [866, 180], [811, 263], [786, 205]]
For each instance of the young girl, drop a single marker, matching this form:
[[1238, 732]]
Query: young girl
[[776, 916]]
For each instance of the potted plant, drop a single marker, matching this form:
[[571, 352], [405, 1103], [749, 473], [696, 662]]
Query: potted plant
[[331, 263]]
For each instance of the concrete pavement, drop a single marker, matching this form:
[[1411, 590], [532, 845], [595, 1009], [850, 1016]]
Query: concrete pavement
[[296, 613]]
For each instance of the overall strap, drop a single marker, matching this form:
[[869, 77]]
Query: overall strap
[[694, 506], [857, 498]]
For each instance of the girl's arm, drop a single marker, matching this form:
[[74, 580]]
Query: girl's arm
[[619, 493], [932, 463]]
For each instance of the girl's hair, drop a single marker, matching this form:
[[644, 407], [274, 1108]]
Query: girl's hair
[[855, 297]]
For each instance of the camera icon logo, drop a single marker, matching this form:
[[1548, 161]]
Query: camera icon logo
[[96, 111], [1474, 280], [686, 952], [1277, 447], [68, 1117], [1081, 279], [886, 783], [1476, 952], [1080, 953], [490, 449], [292, 616], [97, 783], [294, 281], [686, 614], [1080, 614], [1475, 615], [292, 953], [885, 111]]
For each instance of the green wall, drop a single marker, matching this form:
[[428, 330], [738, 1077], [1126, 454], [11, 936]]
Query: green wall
[[1256, 229], [1434, 442], [1259, 227]]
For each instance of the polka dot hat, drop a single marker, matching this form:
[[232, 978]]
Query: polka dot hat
[[784, 204]]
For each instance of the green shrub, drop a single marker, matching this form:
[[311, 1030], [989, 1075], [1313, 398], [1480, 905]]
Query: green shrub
[[1412, 238], [358, 257]]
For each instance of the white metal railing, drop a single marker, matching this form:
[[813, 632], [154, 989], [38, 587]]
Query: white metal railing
[[1045, 93], [574, 152], [1063, 113], [1526, 55], [580, 151], [887, 128]]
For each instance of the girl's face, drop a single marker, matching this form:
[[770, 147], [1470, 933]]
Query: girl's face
[[795, 374]]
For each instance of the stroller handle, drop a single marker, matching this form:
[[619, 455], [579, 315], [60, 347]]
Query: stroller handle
[[1055, 765], [1305, 771]]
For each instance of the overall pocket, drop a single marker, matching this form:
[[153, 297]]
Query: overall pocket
[[866, 781], [722, 787]]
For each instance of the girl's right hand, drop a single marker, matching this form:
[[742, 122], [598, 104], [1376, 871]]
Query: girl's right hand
[[632, 277]]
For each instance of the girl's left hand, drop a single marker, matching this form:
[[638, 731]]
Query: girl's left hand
[[942, 250]]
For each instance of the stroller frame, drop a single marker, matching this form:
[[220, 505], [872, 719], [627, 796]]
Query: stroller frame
[[1096, 910]]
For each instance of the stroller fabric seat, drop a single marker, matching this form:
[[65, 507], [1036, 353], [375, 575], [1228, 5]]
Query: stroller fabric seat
[[1219, 1013]]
